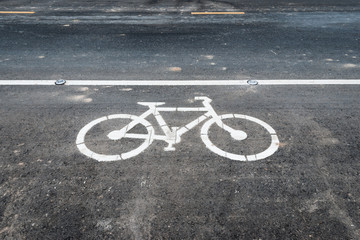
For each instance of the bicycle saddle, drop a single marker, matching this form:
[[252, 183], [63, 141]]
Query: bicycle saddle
[[151, 103]]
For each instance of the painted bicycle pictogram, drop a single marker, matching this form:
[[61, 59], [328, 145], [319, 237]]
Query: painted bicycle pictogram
[[173, 135]]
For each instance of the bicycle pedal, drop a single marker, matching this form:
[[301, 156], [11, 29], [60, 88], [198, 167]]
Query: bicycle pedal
[[167, 149]]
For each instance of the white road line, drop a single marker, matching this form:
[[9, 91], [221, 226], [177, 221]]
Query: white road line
[[310, 82], [181, 82]]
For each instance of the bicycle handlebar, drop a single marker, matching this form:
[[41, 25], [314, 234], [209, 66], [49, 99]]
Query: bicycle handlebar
[[205, 99]]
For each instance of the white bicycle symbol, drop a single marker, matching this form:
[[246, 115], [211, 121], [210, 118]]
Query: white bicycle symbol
[[173, 135]]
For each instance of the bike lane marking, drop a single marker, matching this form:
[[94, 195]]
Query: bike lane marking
[[182, 82], [80, 141], [174, 136]]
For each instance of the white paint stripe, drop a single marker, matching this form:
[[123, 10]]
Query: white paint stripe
[[181, 82], [310, 82]]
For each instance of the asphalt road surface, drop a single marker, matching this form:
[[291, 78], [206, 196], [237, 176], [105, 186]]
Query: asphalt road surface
[[291, 45], [295, 176], [179, 5], [307, 189]]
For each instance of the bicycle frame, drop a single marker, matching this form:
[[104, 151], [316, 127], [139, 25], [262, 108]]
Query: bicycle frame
[[172, 135]]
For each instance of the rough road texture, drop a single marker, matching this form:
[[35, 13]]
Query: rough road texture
[[307, 190]]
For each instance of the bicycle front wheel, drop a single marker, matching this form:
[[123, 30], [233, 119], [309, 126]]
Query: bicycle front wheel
[[146, 138], [271, 148]]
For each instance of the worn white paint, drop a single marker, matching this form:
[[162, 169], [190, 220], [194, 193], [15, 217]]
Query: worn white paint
[[182, 82], [173, 135]]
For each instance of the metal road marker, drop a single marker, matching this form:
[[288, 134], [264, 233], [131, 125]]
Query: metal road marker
[[60, 82], [252, 82]]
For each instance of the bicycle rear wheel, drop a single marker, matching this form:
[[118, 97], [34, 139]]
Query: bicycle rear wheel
[[83, 148]]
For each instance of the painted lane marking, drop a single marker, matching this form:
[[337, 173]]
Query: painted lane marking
[[173, 135], [181, 82], [310, 82], [216, 13], [17, 12], [126, 82]]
